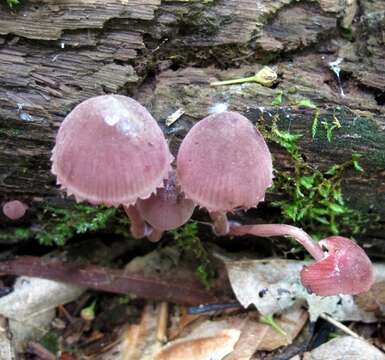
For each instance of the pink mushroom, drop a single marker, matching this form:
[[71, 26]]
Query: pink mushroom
[[167, 209], [224, 164], [14, 209], [109, 150], [343, 268]]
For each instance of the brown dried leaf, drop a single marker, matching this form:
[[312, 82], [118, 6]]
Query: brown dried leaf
[[345, 347], [138, 340], [374, 299], [206, 348], [256, 336]]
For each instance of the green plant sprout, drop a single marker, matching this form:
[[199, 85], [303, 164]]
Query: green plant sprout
[[314, 125], [329, 127], [306, 103], [269, 320], [187, 239], [278, 99], [88, 313], [266, 77]]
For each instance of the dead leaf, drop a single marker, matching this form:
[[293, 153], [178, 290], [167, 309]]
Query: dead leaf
[[138, 340], [374, 299], [256, 336], [344, 348], [274, 285], [204, 348], [30, 308]]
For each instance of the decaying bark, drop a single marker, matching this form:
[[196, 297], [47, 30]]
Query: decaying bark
[[54, 54]]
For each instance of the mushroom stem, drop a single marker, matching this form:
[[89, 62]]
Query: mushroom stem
[[221, 223], [155, 235], [268, 230], [139, 228]]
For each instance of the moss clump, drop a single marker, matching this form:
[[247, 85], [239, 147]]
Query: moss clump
[[56, 225], [13, 3], [313, 198], [186, 237]]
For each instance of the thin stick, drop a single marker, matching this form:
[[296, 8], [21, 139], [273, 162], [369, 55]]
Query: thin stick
[[162, 323], [176, 290], [340, 326]]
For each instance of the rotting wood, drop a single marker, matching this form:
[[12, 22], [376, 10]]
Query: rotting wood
[[54, 54]]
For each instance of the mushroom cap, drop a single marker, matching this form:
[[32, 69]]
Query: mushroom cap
[[14, 209], [224, 163], [110, 150], [346, 269], [168, 208]]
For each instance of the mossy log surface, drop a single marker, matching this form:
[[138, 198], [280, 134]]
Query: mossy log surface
[[54, 54]]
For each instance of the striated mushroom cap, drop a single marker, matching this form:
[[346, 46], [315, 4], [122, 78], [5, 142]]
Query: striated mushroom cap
[[168, 208], [224, 163], [110, 150], [346, 269], [14, 209]]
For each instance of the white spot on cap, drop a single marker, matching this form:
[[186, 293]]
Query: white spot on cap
[[118, 114], [218, 108]]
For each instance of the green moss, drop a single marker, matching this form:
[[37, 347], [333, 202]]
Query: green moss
[[50, 341], [56, 225], [13, 3], [187, 239], [313, 199], [327, 125], [278, 99], [305, 103]]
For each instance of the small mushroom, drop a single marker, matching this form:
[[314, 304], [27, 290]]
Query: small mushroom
[[167, 209], [224, 164], [14, 209], [109, 150], [343, 269]]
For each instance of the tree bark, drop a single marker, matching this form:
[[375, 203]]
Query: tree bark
[[55, 54]]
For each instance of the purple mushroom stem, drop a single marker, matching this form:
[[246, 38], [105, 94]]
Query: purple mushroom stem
[[344, 268], [269, 230], [155, 235], [166, 209], [221, 224], [139, 228]]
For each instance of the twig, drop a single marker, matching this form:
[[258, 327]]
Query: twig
[[180, 291], [340, 326], [162, 323]]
